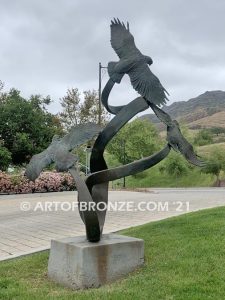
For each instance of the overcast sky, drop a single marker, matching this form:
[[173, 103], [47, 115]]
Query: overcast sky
[[48, 46]]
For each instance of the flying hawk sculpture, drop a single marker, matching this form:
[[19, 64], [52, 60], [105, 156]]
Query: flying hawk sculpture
[[135, 64], [59, 150], [175, 138]]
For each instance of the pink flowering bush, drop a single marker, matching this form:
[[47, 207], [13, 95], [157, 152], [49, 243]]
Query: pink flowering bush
[[46, 182]]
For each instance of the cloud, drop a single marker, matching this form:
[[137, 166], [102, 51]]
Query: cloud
[[48, 46]]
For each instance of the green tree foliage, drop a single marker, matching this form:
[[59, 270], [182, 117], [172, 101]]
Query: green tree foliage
[[3, 95], [203, 137], [175, 165], [90, 109], [135, 140], [80, 109], [26, 127], [5, 158], [75, 111], [215, 163], [71, 105], [1, 86], [217, 130]]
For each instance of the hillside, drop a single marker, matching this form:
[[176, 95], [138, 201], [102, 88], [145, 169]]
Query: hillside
[[205, 111], [215, 120], [208, 149]]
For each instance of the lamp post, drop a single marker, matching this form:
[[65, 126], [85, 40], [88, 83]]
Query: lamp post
[[123, 144], [100, 67]]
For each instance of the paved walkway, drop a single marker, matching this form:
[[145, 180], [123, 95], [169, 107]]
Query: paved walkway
[[26, 228]]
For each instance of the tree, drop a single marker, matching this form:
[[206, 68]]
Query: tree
[[75, 111], [90, 108], [2, 94], [5, 158], [1, 86], [175, 165], [26, 127], [203, 137], [217, 130], [134, 141], [215, 163], [71, 104]]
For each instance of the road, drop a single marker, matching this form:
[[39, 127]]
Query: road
[[29, 222]]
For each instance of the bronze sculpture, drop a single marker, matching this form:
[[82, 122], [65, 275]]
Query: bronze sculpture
[[59, 150], [95, 188], [135, 64]]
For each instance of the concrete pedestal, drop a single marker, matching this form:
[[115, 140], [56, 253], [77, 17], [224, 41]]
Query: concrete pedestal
[[76, 263]]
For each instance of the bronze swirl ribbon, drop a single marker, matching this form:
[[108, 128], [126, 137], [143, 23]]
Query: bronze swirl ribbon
[[96, 188]]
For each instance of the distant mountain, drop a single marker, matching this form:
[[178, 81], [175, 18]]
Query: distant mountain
[[205, 111]]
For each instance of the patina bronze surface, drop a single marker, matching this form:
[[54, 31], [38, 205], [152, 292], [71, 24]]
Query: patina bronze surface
[[94, 189]]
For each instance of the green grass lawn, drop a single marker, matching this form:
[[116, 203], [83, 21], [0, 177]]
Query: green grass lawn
[[184, 259]]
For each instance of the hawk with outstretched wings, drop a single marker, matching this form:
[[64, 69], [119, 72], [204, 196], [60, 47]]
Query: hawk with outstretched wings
[[59, 150], [135, 64], [175, 138]]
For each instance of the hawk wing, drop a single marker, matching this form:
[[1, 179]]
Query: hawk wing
[[80, 134], [37, 164], [162, 115], [178, 142], [187, 150], [122, 40], [147, 84]]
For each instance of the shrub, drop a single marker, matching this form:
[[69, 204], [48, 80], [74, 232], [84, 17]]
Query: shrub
[[47, 182], [175, 165], [204, 137], [215, 163], [5, 158]]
